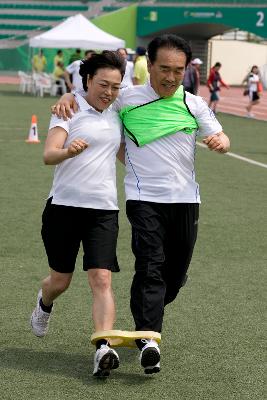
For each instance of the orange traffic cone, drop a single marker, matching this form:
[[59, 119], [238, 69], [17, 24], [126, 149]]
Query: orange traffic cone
[[33, 133]]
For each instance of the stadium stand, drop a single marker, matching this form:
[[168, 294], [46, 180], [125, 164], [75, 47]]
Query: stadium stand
[[20, 19]]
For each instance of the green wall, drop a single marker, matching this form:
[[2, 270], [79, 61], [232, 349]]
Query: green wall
[[120, 23], [154, 19]]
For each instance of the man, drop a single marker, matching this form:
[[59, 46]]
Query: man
[[214, 82], [128, 76], [192, 76], [161, 193], [77, 55], [39, 62], [59, 57], [140, 74], [73, 69]]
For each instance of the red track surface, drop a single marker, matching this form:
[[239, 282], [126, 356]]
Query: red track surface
[[232, 100], [9, 79]]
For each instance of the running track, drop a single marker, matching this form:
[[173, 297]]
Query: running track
[[232, 100]]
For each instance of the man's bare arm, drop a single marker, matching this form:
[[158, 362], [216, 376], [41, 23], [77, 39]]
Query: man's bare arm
[[65, 106]]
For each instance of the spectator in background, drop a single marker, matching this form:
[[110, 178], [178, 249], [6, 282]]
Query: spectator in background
[[192, 76], [140, 75], [59, 71], [196, 63], [254, 86], [214, 82], [59, 58], [75, 56], [74, 70], [39, 62], [59, 77], [128, 76]]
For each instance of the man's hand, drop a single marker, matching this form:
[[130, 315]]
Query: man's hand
[[77, 147], [65, 106], [219, 142]]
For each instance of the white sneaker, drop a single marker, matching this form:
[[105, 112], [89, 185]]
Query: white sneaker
[[250, 115], [39, 319], [105, 359], [150, 356]]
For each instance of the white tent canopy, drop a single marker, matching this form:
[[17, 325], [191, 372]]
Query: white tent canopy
[[77, 31]]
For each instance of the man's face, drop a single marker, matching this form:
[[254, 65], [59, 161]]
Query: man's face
[[103, 88], [167, 72]]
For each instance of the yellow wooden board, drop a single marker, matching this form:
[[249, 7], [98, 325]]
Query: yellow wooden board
[[118, 338]]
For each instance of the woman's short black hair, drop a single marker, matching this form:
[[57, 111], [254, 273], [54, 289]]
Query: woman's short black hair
[[107, 59], [169, 41]]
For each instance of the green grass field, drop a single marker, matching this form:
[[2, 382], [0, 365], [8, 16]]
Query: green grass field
[[212, 343]]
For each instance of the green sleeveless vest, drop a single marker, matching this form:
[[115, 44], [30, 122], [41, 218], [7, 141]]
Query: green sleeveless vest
[[162, 117]]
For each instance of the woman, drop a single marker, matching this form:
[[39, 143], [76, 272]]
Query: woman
[[82, 204], [254, 85]]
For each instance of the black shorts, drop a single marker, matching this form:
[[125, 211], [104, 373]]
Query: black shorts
[[254, 96], [64, 228]]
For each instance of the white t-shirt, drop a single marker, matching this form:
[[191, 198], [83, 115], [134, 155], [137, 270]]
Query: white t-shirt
[[89, 179], [74, 69], [253, 82], [163, 171], [128, 76]]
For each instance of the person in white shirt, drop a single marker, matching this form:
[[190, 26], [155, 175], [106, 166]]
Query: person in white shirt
[[129, 69], [162, 196], [82, 205], [73, 70], [253, 82]]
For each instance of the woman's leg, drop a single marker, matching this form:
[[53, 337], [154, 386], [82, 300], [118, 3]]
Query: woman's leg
[[54, 285]]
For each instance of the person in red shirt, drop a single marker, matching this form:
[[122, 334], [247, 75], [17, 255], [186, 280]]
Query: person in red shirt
[[214, 82]]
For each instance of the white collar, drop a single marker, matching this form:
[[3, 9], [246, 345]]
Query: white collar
[[85, 106]]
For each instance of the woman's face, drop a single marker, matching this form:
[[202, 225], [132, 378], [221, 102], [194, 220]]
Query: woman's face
[[255, 70], [103, 88]]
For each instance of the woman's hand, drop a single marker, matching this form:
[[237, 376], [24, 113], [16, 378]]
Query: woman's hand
[[76, 147]]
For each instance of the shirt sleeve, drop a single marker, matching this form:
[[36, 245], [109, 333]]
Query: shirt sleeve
[[55, 121], [207, 122], [71, 68]]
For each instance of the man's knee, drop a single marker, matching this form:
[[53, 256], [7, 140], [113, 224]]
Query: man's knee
[[99, 279]]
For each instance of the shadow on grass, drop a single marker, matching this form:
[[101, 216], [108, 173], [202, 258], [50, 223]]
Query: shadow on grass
[[75, 366]]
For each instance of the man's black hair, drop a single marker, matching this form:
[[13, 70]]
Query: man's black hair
[[89, 51], [140, 51], [107, 59], [169, 41]]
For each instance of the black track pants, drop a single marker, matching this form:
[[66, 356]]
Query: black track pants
[[163, 239]]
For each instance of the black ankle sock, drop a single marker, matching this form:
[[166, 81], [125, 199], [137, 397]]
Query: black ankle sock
[[100, 342], [45, 308], [140, 344]]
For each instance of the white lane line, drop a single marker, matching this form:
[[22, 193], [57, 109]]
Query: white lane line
[[248, 160]]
